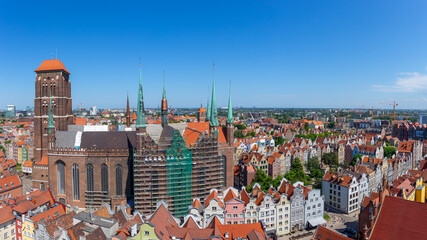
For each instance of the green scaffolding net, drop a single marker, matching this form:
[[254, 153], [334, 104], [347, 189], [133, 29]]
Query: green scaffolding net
[[178, 174]]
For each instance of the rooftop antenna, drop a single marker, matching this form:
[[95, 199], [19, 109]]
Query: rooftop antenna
[[51, 55]]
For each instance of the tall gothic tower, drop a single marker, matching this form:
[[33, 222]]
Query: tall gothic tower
[[51, 78]]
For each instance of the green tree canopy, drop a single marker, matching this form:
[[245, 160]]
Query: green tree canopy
[[238, 134], [389, 151], [330, 159]]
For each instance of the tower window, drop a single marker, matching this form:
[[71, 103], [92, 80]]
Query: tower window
[[89, 175], [60, 171], [76, 186], [104, 178], [119, 180]]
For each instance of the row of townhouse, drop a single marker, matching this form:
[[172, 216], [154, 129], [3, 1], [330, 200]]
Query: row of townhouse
[[345, 190], [287, 209]]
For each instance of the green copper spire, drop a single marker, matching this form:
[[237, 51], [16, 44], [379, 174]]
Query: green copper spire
[[214, 110], [230, 118], [208, 109], [50, 124], [140, 116]]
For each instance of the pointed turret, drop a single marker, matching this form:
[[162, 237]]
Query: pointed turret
[[208, 109], [214, 110], [230, 118], [127, 112], [140, 115], [164, 104]]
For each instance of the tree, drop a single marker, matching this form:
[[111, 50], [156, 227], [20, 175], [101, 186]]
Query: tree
[[296, 165], [250, 134], [389, 151], [354, 160], [313, 163], [240, 126], [238, 134], [279, 141], [330, 159]]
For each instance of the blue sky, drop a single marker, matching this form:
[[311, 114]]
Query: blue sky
[[275, 53]]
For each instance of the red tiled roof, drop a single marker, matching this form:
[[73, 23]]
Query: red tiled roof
[[323, 233], [193, 130], [240, 230], [400, 219], [81, 121], [230, 195], [10, 182], [49, 215], [51, 64], [6, 214], [196, 203]]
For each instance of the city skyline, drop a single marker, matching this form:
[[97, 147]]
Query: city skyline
[[277, 55]]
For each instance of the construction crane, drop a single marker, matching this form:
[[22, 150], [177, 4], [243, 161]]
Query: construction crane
[[394, 104]]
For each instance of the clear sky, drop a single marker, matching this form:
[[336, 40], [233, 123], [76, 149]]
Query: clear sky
[[276, 53]]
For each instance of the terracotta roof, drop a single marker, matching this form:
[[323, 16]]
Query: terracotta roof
[[196, 203], [162, 219], [81, 121], [9, 183], [240, 230], [400, 219], [343, 180], [120, 217], [76, 231], [190, 223], [244, 196], [103, 212], [193, 130], [51, 64], [230, 195], [44, 198], [49, 215], [65, 222], [323, 233], [27, 164], [6, 214]]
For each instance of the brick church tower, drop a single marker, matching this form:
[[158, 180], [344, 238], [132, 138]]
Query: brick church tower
[[52, 78]]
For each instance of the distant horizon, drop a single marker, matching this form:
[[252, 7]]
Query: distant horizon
[[279, 54]]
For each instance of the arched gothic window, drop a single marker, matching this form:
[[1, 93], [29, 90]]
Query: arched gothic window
[[76, 179], [89, 177], [119, 190], [104, 178], [60, 177]]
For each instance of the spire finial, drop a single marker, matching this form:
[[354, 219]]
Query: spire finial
[[230, 118], [140, 116], [50, 124], [214, 110]]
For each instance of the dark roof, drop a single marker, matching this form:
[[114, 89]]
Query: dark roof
[[166, 137], [100, 140], [400, 219], [98, 234], [120, 217]]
